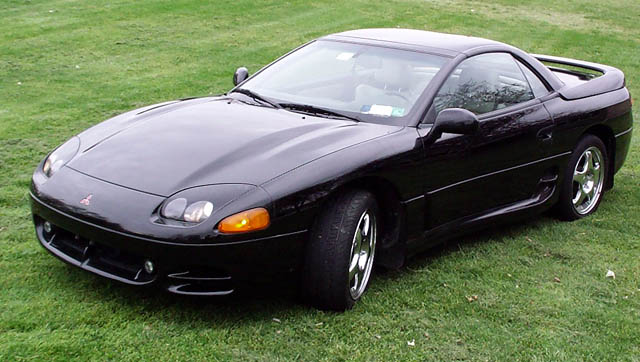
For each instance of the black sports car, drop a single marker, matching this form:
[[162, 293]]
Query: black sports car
[[367, 143]]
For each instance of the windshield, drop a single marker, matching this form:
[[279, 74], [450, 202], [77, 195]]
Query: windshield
[[371, 83]]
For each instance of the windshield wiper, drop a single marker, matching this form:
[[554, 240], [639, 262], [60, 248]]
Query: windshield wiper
[[307, 108], [256, 96]]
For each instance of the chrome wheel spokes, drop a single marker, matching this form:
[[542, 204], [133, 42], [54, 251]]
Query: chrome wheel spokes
[[363, 249], [588, 180]]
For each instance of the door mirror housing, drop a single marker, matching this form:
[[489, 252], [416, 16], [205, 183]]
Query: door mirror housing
[[454, 120], [240, 75]]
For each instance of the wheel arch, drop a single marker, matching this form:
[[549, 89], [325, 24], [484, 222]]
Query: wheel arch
[[608, 138], [393, 226]]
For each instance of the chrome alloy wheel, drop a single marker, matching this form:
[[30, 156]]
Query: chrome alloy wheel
[[588, 180], [363, 249]]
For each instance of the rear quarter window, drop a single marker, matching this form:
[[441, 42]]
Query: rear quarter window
[[537, 86]]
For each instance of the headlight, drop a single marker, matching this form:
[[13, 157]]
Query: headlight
[[197, 205], [61, 156], [177, 209]]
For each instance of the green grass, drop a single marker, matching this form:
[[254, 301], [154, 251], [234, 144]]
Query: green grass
[[66, 65]]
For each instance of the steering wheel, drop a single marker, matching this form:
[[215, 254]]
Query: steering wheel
[[399, 95]]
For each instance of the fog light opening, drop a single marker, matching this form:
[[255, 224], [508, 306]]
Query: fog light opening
[[149, 267], [47, 227]]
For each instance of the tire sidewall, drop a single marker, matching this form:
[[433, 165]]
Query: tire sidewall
[[325, 273]]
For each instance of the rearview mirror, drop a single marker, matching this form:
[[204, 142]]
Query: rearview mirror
[[454, 120], [240, 75]]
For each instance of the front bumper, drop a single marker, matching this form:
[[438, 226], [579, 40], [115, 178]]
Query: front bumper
[[185, 268]]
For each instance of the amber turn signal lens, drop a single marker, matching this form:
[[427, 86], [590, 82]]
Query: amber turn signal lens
[[242, 222]]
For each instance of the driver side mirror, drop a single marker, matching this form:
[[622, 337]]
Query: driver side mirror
[[240, 75], [454, 120]]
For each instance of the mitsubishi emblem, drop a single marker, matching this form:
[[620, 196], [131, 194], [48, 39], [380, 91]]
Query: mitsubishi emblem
[[87, 200]]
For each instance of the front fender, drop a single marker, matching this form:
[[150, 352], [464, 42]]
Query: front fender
[[299, 194]]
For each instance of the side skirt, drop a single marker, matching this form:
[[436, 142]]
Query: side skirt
[[543, 200]]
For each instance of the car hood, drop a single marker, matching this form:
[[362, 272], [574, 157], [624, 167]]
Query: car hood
[[176, 145]]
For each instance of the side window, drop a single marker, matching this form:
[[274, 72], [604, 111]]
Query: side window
[[539, 89], [484, 83]]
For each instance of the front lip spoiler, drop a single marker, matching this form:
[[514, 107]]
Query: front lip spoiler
[[177, 283]]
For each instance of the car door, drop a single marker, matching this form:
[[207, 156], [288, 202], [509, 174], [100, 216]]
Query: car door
[[505, 161]]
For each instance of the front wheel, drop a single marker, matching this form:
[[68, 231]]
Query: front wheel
[[340, 254], [583, 186]]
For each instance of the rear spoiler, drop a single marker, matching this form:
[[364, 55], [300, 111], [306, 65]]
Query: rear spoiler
[[612, 78]]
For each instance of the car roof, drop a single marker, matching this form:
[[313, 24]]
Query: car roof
[[441, 43]]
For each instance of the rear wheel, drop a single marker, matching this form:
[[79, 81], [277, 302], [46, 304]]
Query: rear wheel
[[340, 254], [584, 179]]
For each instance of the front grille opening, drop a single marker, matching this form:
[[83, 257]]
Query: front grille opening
[[117, 262], [106, 260], [70, 244]]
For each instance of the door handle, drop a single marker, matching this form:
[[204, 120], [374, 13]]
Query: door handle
[[545, 135]]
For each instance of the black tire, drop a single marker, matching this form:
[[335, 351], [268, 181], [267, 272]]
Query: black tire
[[565, 208], [325, 279]]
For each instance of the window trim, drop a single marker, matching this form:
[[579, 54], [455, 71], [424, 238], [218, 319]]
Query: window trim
[[512, 108], [521, 63]]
